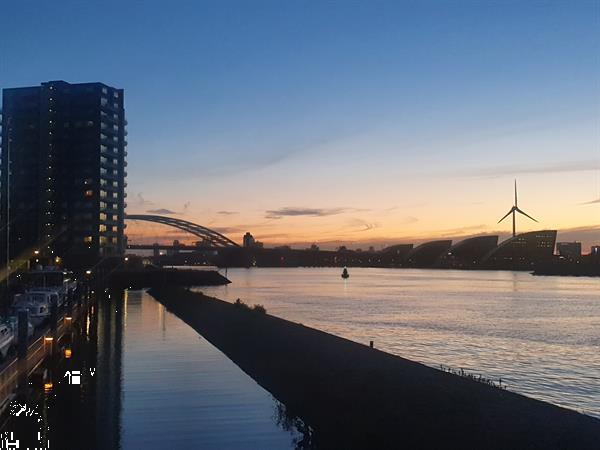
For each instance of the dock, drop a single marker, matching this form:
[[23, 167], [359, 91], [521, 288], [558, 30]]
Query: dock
[[21, 364]]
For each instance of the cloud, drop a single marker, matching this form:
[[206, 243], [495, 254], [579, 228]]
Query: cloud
[[591, 202], [311, 212], [161, 211], [141, 201], [560, 167], [409, 219], [360, 225], [227, 213]]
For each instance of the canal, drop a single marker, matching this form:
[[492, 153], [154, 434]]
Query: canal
[[147, 380]]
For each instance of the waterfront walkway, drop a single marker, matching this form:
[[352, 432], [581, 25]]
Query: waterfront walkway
[[357, 397]]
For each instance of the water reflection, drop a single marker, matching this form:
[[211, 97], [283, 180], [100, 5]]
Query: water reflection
[[147, 381], [539, 334]]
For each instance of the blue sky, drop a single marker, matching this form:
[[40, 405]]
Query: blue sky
[[365, 108]]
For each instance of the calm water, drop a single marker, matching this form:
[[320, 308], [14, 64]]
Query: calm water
[[541, 335], [180, 392], [148, 381]]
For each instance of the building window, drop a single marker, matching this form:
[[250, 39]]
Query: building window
[[103, 194], [102, 216], [103, 240], [103, 101], [87, 239], [102, 228], [104, 90]]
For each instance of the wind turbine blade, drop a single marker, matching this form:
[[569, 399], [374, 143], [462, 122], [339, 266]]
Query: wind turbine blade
[[507, 214], [515, 192], [525, 214]]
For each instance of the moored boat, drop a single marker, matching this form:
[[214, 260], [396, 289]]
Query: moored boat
[[7, 338]]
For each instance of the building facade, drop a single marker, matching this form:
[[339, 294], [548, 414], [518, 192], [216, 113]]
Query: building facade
[[63, 171], [569, 249]]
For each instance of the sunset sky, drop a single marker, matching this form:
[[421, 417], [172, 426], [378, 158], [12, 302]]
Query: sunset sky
[[338, 122]]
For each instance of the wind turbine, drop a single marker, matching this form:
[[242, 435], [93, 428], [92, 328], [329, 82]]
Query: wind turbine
[[515, 209]]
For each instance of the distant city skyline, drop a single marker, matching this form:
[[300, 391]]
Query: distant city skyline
[[351, 124]]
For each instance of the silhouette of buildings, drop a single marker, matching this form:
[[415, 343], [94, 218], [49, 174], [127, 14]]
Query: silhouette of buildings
[[63, 170], [522, 251], [427, 254], [571, 250], [248, 240], [467, 253]]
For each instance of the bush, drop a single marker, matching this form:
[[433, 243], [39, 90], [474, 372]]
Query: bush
[[259, 309], [240, 304]]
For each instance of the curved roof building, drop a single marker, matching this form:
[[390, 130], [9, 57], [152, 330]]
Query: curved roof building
[[522, 251], [395, 254], [427, 254], [468, 252]]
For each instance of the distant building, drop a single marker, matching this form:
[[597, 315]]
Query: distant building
[[467, 253], [595, 253], [63, 186], [314, 247], [427, 254], [522, 252], [569, 249], [248, 240]]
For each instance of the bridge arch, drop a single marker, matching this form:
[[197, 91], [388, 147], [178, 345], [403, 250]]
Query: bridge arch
[[216, 239]]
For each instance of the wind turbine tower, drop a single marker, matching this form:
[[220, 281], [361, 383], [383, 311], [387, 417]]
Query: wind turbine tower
[[514, 210]]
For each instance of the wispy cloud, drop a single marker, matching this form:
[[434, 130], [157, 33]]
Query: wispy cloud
[[227, 213], [591, 202], [410, 219], [161, 211], [141, 201], [359, 225], [560, 167], [311, 212]]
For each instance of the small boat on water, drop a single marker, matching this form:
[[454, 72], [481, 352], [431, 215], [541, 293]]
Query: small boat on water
[[345, 273], [7, 337]]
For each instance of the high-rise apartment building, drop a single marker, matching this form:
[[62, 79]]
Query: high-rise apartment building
[[62, 183]]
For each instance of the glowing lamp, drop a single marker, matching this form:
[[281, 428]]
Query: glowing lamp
[[68, 353], [48, 386]]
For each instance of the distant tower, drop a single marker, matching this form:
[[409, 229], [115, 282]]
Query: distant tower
[[249, 240], [515, 209]]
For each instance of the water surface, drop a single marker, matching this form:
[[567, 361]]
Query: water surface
[[181, 392], [541, 335]]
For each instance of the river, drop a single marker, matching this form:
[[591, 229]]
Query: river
[[540, 335]]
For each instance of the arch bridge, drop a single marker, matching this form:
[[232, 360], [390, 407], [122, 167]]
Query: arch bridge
[[214, 238]]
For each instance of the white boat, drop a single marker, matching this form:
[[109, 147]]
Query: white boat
[[13, 322], [37, 303], [7, 338], [53, 278]]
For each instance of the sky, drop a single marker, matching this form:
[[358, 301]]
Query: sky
[[338, 122]]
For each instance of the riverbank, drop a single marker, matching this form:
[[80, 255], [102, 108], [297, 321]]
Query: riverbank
[[159, 277], [357, 397]]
